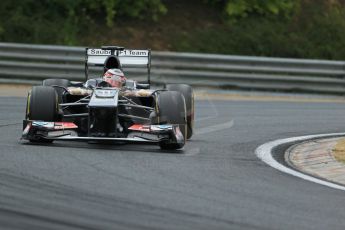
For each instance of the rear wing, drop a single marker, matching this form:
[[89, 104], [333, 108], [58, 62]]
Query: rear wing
[[127, 58]]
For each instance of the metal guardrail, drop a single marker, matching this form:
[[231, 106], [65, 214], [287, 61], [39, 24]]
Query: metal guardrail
[[33, 63]]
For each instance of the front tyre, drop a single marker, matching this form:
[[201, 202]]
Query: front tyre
[[171, 109], [42, 105], [187, 92]]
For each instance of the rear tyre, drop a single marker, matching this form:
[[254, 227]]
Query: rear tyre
[[57, 82], [42, 105], [187, 92], [171, 109]]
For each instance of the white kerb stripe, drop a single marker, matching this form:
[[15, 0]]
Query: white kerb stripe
[[264, 152]]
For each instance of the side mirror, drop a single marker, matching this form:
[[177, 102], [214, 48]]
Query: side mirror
[[130, 84], [76, 83], [143, 86]]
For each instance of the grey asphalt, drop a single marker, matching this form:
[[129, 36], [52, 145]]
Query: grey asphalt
[[216, 182]]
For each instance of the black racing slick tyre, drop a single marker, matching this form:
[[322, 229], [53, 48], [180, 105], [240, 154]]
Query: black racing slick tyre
[[61, 85], [42, 105], [171, 109], [187, 92]]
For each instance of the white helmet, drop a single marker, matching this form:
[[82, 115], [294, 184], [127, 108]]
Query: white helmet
[[114, 77]]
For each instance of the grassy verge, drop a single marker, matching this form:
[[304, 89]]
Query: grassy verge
[[339, 151]]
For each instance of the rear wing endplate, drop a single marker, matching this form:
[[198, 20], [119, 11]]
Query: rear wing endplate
[[128, 58]]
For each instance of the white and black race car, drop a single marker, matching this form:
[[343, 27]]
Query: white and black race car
[[60, 109]]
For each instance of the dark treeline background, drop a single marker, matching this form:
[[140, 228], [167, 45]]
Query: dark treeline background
[[281, 28]]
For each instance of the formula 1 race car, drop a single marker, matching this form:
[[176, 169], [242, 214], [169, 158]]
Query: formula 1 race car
[[99, 111]]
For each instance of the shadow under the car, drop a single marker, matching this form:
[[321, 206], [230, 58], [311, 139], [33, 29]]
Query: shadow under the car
[[107, 146]]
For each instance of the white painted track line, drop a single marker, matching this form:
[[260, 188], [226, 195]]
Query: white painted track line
[[264, 152]]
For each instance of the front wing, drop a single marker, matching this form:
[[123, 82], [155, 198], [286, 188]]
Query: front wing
[[66, 131]]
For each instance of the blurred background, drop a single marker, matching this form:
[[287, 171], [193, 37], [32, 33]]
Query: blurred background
[[276, 28]]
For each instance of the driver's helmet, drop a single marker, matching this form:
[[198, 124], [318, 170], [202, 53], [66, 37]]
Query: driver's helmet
[[114, 77]]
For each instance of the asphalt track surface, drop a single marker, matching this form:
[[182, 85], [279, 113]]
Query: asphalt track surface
[[215, 182]]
